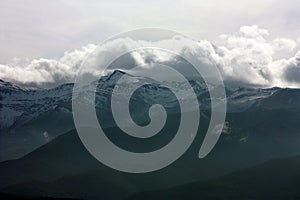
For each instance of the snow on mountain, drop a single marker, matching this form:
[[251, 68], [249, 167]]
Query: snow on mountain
[[32, 117], [20, 105]]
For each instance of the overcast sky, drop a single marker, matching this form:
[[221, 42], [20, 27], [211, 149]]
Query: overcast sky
[[40, 28]]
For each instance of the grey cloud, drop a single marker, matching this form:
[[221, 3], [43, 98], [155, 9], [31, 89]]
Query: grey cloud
[[292, 72]]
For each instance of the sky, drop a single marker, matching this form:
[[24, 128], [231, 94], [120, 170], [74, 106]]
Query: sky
[[34, 33]]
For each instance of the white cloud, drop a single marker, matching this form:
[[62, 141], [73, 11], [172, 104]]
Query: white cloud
[[253, 31], [248, 56], [245, 58], [284, 44], [43, 71]]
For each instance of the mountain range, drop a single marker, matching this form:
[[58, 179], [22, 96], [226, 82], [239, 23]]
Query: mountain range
[[42, 154]]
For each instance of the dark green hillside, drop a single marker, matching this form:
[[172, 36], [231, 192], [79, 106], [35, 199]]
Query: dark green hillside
[[275, 179]]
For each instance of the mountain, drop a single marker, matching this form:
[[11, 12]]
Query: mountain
[[274, 179], [50, 160], [64, 168], [30, 118], [21, 105]]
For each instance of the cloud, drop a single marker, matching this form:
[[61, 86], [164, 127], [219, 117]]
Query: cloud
[[245, 58], [286, 72], [253, 32], [292, 72], [45, 72], [248, 57], [284, 44]]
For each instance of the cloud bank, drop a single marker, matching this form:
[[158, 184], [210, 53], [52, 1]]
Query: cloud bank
[[45, 72], [246, 57]]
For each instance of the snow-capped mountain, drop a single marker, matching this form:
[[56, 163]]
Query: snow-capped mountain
[[32, 117], [20, 105]]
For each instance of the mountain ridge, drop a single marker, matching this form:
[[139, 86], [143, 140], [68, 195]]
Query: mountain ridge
[[25, 113]]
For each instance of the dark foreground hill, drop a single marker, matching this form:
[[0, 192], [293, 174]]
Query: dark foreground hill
[[64, 168], [16, 197], [275, 179]]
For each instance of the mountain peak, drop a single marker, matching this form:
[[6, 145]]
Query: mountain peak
[[117, 71], [115, 75]]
